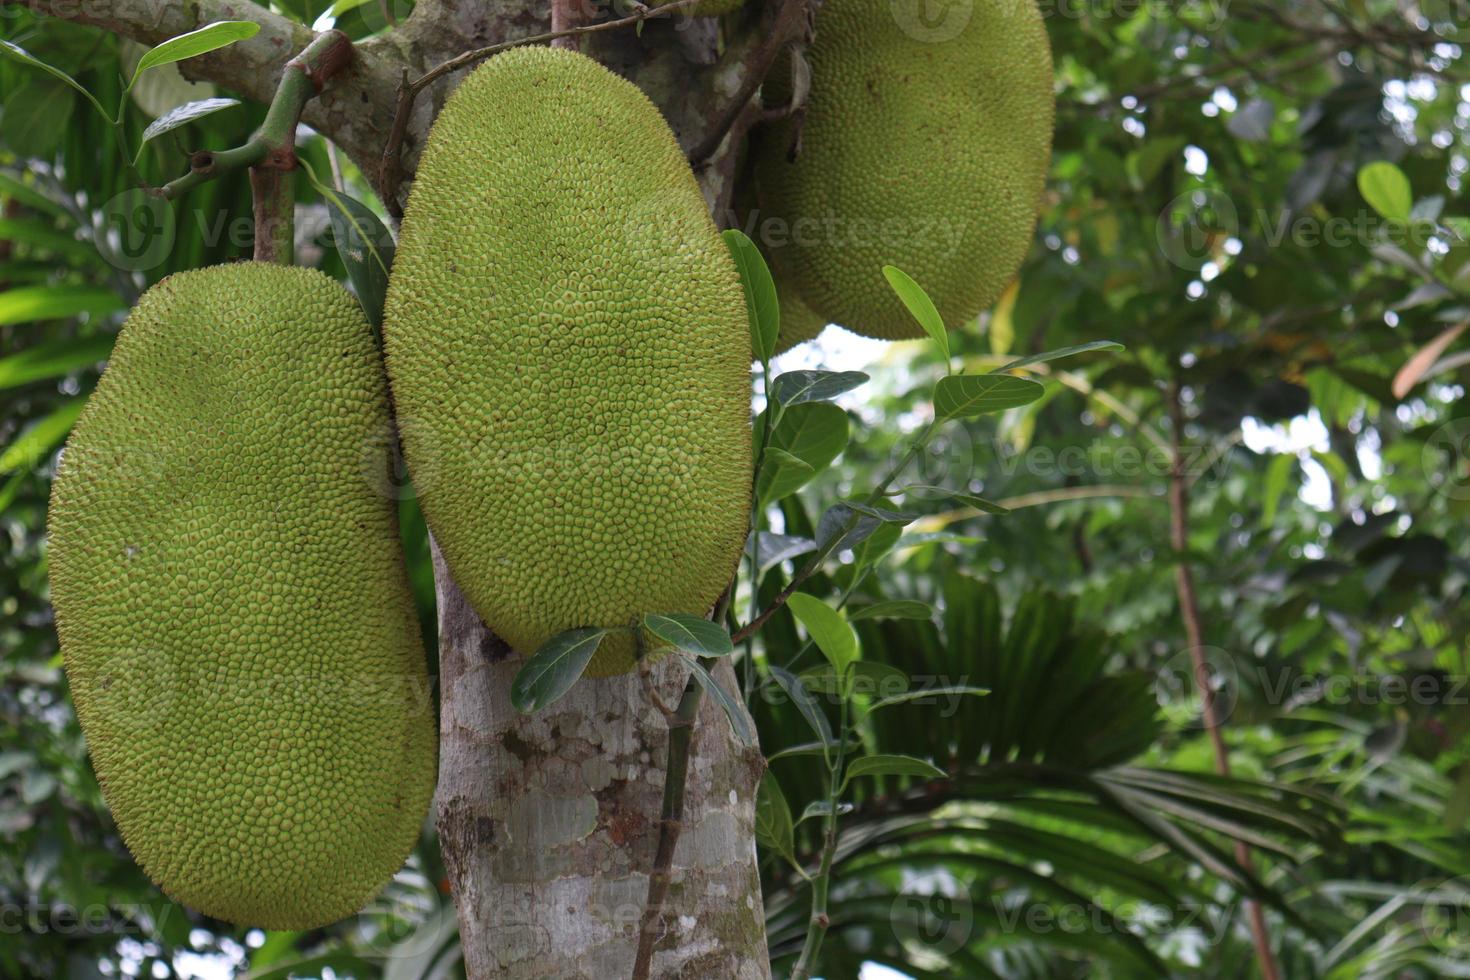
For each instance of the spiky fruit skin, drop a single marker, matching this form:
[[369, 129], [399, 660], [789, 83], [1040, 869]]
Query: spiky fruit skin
[[234, 612], [569, 353], [924, 147]]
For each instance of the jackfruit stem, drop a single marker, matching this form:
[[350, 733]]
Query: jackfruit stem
[[272, 146], [389, 173]]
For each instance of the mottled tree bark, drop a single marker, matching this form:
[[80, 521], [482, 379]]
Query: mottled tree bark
[[548, 822]]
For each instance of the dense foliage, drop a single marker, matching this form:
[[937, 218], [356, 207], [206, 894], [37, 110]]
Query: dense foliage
[[1265, 202]]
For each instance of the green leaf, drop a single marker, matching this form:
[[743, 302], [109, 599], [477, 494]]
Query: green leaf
[[42, 235], [734, 710], [919, 305], [972, 395], [852, 526], [52, 359], [968, 499], [814, 433], [1056, 355], [20, 54], [183, 115], [35, 444], [895, 609], [773, 826], [891, 765], [908, 697], [210, 37], [692, 634], [884, 514], [878, 544], [366, 247], [11, 186], [760, 293], [37, 115], [821, 808], [796, 387], [771, 549], [32, 303], [864, 677], [829, 631], [805, 705], [555, 668], [1386, 189]]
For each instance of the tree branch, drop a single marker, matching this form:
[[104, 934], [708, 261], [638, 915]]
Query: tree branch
[[354, 112], [389, 172], [1194, 631]]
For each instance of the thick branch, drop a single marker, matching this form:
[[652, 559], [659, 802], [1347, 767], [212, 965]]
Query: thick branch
[[355, 111]]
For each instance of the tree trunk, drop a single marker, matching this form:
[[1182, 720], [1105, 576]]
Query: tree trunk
[[548, 822]]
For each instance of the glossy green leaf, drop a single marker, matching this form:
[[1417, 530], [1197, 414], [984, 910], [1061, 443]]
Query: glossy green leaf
[[33, 303], [891, 765], [968, 499], [797, 387], [821, 808], [41, 235], [183, 115], [1386, 189], [1056, 355], [366, 247], [37, 115], [814, 433], [760, 292], [773, 827], [829, 631], [554, 668], [34, 445], [972, 395], [18, 53], [691, 634], [928, 693], [919, 305], [210, 37], [734, 711], [805, 705], [894, 609], [53, 359]]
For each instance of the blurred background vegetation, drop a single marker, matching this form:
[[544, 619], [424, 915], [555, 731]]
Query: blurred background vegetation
[[1294, 365]]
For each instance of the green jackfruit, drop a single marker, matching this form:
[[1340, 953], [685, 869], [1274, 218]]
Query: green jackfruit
[[232, 602], [798, 323], [925, 146], [569, 353]]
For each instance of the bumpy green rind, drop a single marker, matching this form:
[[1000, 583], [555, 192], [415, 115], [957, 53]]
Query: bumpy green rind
[[569, 353], [925, 145], [232, 603]]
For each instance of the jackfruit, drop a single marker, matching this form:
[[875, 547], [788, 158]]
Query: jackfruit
[[798, 322], [232, 603], [925, 145], [569, 354]]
